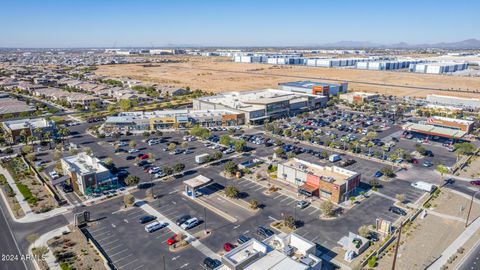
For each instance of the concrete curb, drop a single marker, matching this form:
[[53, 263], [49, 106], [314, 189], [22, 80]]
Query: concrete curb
[[213, 209]]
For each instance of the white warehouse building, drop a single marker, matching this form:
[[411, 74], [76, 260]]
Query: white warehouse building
[[437, 68], [386, 65], [470, 103]]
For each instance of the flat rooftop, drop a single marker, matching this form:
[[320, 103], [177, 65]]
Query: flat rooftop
[[25, 123], [255, 100], [85, 164], [308, 84], [453, 120], [12, 105], [331, 174], [456, 98], [433, 130]]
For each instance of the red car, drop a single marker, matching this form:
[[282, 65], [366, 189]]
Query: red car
[[228, 246], [145, 156], [475, 183], [172, 240]]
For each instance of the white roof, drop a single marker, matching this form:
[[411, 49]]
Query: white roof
[[24, 123], [83, 164], [276, 260]]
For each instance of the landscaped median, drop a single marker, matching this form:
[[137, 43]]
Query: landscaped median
[[31, 189], [10, 197]]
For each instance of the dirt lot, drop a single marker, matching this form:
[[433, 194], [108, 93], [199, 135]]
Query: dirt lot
[[219, 74]]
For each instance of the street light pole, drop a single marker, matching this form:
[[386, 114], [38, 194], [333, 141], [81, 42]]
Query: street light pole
[[470, 208], [396, 247], [205, 219]]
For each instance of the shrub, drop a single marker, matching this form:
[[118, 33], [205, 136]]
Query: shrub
[[372, 262], [3, 180], [27, 194]]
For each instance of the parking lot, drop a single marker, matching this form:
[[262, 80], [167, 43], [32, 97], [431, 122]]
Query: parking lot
[[130, 247]]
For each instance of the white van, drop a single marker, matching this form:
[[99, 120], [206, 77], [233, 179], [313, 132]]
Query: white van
[[424, 186], [156, 225], [190, 223], [334, 158]]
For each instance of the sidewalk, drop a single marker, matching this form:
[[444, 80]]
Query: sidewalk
[[455, 245], [42, 241], [21, 200]]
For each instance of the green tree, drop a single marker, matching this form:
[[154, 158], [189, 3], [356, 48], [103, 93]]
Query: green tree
[[125, 104], [253, 204], [280, 152], [217, 155], [171, 147], [132, 180], [371, 135], [387, 171], [225, 140], [128, 200], [327, 208], [363, 231], [231, 192], [230, 167], [400, 198], [239, 145], [167, 170], [289, 222], [108, 161], [179, 167], [442, 170], [132, 144]]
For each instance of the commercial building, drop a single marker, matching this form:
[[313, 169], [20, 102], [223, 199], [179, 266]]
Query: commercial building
[[386, 65], [437, 68], [444, 127], [286, 60], [278, 252], [145, 121], [468, 103], [250, 58], [358, 97], [314, 88], [327, 182], [334, 62], [19, 130], [87, 174], [259, 105], [13, 107]]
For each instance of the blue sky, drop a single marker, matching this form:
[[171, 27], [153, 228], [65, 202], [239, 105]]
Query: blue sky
[[103, 23]]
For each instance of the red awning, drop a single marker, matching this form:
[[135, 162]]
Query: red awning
[[309, 188]]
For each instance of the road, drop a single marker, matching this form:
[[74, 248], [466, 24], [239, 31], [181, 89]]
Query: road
[[472, 261], [10, 250]]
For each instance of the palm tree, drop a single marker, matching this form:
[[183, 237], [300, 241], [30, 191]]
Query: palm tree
[[442, 170], [48, 136], [64, 132]]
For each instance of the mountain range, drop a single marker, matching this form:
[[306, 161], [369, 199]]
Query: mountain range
[[464, 44]]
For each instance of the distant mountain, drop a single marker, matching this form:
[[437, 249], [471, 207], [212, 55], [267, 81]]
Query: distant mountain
[[464, 44]]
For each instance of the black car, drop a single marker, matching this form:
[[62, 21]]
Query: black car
[[146, 219], [67, 188], [182, 219], [130, 157], [243, 239], [428, 153], [142, 163], [264, 232], [210, 263], [397, 210]]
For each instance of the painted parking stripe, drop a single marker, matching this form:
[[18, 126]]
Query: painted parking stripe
[[316, 210], [130, 262], [123, 258], [293, 201], [114, 247], [98, 229], [99, 234], [278, 196], [138, 267], [134, 212], [103, 239], [286, 198], [111, 242], [137, 216], [259, 188], [119, 252]]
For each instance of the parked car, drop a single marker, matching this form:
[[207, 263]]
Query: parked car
[[154, 170], [146, 219], [397, 210], [428, 153], [131, 151], [427, 164], [190, 223], [211, 264], [144, 156], [154, 226], [159, 174], [378, 174], [67, 188], [172, 240], [228, 246], [302, 204], [475, 183], [182, 219], [243, 239], [130, 157], [53, 174], [262, 231], [348, 162]]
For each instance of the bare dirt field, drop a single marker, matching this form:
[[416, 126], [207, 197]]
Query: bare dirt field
[[219, 74]]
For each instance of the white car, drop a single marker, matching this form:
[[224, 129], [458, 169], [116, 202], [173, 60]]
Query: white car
[[131, 151], [54, 174], [159, 174], [154, 170], [121, 144], [190, 223], [228, 151]]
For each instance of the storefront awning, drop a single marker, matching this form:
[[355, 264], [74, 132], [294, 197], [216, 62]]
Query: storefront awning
[[308, 188]]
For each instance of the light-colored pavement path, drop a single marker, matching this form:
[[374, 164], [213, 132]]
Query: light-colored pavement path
[[42, 241], [445, 216], [21, 200], [455, 245]]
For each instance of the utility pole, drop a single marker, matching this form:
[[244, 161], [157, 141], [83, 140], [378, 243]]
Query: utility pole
[[164, 266], [205, 220], [470, 208], [397, 245]]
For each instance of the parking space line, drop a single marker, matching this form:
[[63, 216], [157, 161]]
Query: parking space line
[[97, 235], [136, 217], [138, 267], [103, 239], [112, 248], [313, 212], [134, 212], [130, 262], [259, 188], [286, 198], [98, 229], [123, 258], [109, 243], [290, 203], [280, 195], [121, 251]]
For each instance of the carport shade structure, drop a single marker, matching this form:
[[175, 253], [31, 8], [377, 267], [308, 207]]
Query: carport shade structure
[[191, 185]]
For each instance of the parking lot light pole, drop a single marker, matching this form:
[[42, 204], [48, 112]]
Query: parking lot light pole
[[470, 208], [205, 220]]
